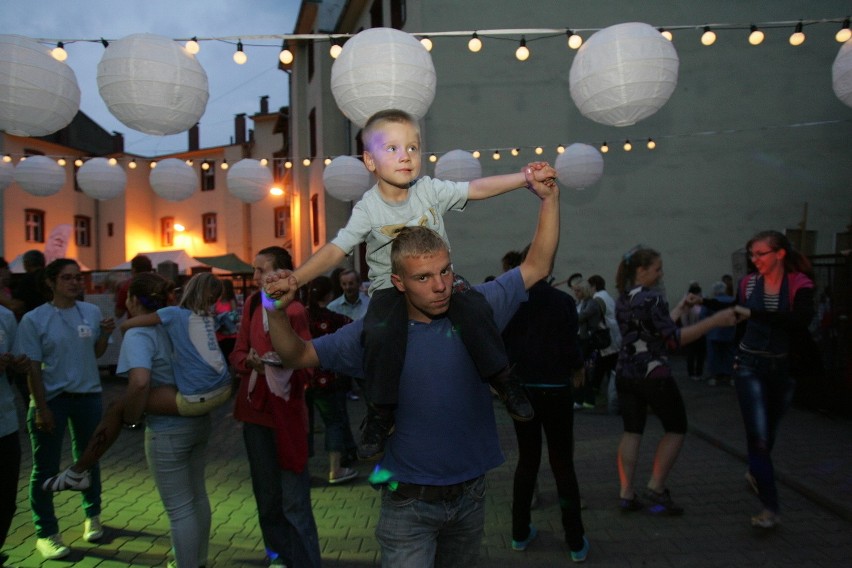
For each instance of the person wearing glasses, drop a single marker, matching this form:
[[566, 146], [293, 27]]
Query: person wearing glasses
[[778, 301], [63, 339]]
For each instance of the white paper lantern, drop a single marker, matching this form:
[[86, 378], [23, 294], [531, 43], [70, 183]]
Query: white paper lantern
[[458, 165], [623, 73], [381, 69], [100, 180], [173, 180], [152, 84], [347, 178], [38, 94], [579, 166], [249, 181], [7, 174], [40, 176], [841, 74]]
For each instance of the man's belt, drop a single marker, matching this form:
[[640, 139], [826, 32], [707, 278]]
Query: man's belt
[[432, 493]]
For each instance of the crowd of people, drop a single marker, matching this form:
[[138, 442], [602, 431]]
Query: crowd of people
[[427, 348]]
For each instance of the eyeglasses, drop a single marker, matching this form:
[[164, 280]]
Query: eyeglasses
[[760, 254], [70, 277]]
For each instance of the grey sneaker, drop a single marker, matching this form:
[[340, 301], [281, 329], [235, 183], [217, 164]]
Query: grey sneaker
[[92, 529], [52, 547]]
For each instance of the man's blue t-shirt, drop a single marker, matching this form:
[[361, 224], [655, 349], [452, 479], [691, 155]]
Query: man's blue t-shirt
[[445, 431]]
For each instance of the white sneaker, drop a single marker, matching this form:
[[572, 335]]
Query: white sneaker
[[92, 529], [68, 479], [51, 547]]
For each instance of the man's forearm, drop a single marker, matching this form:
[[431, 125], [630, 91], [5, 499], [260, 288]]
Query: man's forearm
[[295, 352], [539, 259]]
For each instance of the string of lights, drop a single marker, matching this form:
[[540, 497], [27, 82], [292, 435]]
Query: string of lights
[[648, 143], [755, 35]]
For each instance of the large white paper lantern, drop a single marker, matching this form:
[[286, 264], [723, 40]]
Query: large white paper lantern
[[841, 74], [347, 178], [100, 180], [458, 165], [7, 174], [249, 181], [38, 94], [579, 166], [40, 176], [152, 84], [623, 73], [381, 69], [173, 180]]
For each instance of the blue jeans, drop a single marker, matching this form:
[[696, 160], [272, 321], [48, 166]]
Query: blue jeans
[[765, 390], [283, 502], [82, 413], [420, 534], [335, 416], [176, 458]]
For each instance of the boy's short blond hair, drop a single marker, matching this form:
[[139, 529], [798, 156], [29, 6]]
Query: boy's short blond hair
[[383, 116], [414, 241]]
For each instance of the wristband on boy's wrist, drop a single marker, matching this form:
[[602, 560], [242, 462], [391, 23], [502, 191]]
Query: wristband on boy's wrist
[[269, 302]]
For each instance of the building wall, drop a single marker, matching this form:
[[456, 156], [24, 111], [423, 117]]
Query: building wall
[[729, 162]]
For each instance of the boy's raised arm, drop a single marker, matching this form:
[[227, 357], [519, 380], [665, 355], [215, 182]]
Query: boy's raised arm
[[326, 258], [530, 176], [295, 352]]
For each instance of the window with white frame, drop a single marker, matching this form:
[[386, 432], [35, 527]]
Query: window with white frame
[[34, 225], [82, 231], [208, 222]]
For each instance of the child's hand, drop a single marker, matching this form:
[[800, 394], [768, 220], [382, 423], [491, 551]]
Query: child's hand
[[540, 178], [107, 326], [276, 283]]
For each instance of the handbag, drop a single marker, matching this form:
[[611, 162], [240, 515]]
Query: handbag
[[600, 337]]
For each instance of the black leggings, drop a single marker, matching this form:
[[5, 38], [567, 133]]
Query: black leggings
[[659, 391]]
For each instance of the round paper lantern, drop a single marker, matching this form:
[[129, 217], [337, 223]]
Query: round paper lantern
[[7, 174], [579, 166], [173, 180], [458, 165], [347, 178], [381, 69], [841, 74], [38, 94], [623, 73], [40, 176], [100, 180], [152, 84], [249, 181]]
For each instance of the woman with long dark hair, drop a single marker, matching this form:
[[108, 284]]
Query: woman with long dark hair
[[778, 300], [644, 377]]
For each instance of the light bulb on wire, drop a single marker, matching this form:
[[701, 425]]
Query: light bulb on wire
[[574, 40], [665, 33], [708, 37], [523, 52], [627, 146], [560, 149], [798, 36], [132, 164], [756, 36], [476, 154], [475, 44], [426, 43], [433, 158], [59, 52], [496, 155], [844, 33], [286, 56], [604, 148], [539, 150], [192, 46], [240, 56], [651, 144], [335, 49]]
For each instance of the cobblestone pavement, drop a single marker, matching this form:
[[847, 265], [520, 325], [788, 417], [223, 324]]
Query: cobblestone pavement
[[813, 457]]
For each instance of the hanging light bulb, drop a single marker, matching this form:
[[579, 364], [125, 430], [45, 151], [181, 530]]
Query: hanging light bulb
[[516, 151], [797, 37], [78, 162], [495, 155], [306, 162], [665, 33], [604, 148], [288, 164], [189, 162], [476, 154], [264, 162], [327, 161], [426, 43], [59, 52], [574, 40], [844, 33], [240, 56], [192, 46], [276, 191], [7, 158], [651, 144], [708, 37], [335, 49], [224, 165], [205, 166], [475, 44], [756, 36], [112, 161], [627, 146], [560, 149], [523, 52], [61, 162], [152, 164], [433, 158], [286, 56], [132, 164], [539, 150]]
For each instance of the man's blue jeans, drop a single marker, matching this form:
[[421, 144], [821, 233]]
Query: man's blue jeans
[[81, 413], [283, 502], [420, 534], [765, 390]]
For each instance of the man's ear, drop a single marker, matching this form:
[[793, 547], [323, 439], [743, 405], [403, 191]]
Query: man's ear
[[397, 282], [368, 161]]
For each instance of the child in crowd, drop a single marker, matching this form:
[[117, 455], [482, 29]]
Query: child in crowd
[[201, 373], [401, 198]]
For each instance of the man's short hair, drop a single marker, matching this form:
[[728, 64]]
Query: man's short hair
[[345, 272], [281, 259], [597, 282], [141, 263], [391, 115], [414, 241], [33, 259]]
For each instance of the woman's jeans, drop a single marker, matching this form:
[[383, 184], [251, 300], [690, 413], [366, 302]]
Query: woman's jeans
[[283, 502], [10, 449], [555, 415], [331, 405], [765, 390], [176, 458], [81, 413]]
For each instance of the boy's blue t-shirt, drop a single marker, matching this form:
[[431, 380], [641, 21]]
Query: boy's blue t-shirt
[[199, 365]]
